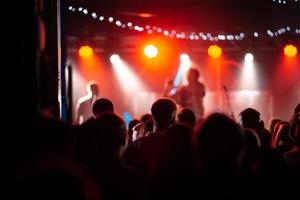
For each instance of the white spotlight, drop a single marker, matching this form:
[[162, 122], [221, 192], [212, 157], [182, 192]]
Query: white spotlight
[[249, 79], [127, 78], [184, 58], [249, 57], [114, 58]]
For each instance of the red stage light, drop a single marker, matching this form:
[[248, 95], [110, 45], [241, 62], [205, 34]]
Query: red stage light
[[85, 52], [150, 51], [290, 50], [214, 51]]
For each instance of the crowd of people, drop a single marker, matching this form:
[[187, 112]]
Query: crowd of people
[[167, 153]]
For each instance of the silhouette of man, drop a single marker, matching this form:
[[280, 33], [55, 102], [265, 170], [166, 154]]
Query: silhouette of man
[[85, 103], [189, 96]]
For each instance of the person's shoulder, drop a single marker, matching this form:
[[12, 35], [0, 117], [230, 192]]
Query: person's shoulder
[[200, 84], [83, 99]]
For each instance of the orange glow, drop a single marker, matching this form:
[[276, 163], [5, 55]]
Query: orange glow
[[85, 52], [290, 50], [150, 51], [214, 51]]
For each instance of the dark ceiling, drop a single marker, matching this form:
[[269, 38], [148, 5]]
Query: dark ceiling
[[215, 16]]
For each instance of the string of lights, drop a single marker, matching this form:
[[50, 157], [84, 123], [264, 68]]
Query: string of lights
[[285, 2], [196, 36]]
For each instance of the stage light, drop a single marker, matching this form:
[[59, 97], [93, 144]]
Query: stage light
[[115, 58], [129, 81], [290, 50], [150, 51], [248, 77], [94, 15], [214, 51], [85, 52], [248, 57], [185, 64], [184, 58]]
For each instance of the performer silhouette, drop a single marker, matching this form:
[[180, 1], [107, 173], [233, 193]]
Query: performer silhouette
[[189, 96], [85, 103]]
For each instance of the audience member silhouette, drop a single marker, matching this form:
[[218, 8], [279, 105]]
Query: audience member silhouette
[[143, 153], [187, 116], [250, 118], [117, 181], [175, 172], [131, 125], [219, 151], [84, 149]]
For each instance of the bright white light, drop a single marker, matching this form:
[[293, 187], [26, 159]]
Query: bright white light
[[129, 24], [115, 58], [70, 7], [255, 34], [110, 19], [185, 64], [150, 51], [248, 57], [129, 82], [159, 30], [136, 28], [192, 37], [101, 18], [85, 11], [184, 58], [221, 37], [94, 15], [80, 9], [248, 80], [230, 37], [166, 33], [118, 23]]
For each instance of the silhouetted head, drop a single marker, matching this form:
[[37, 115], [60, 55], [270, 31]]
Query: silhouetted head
[[249, 118], [193, 75], [145, 117], [109, 132], [93, 88], [163, 113], [219, 142], [187, 116], [102, 105], [132, 124]]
